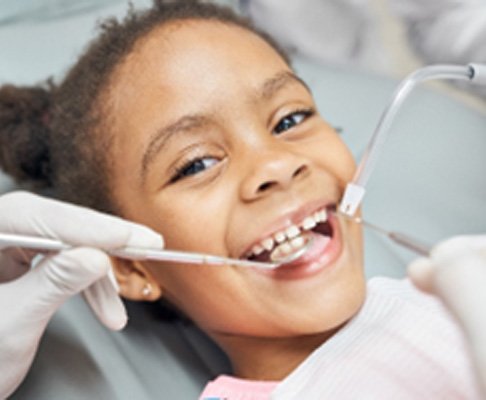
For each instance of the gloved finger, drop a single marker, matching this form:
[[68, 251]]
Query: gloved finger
[[450, 253], [460, 284], [456, 272], [73, 224], [457, 247], [421, 273], [60, 276], [103, 299]]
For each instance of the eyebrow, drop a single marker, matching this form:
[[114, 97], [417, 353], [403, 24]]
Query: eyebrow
[[276, 83], [191, 122], [162, 136]]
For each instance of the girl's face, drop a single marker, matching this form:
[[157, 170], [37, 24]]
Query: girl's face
[[218, 146]]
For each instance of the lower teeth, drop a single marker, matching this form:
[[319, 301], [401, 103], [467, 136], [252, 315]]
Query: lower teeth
[[285, 249]]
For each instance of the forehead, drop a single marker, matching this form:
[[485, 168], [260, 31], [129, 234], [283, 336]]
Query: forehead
[[183, 57]]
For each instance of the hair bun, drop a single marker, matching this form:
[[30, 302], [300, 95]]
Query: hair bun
[[24, 133]]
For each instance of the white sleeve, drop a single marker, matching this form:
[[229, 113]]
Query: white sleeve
[[445, 31]]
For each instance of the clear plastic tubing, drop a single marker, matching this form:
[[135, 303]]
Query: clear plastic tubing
[[355, 190]]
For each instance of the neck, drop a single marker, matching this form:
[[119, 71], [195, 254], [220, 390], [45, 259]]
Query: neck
[[269, 359]]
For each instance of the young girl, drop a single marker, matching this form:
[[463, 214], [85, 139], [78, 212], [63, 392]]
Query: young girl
[[187, 120]]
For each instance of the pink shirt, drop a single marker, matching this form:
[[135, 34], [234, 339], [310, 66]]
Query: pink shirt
[[228, 388], [402, 344]]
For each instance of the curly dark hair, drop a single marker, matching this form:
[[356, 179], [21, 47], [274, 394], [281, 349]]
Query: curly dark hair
[[56, 136]]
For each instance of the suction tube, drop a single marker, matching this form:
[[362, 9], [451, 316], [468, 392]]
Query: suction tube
[[355, 190]]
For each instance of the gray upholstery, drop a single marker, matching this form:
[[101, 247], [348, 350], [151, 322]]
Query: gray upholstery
[[150, 359], [430, 183]]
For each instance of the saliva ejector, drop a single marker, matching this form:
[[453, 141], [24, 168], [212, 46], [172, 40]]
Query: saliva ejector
[[355, 190]]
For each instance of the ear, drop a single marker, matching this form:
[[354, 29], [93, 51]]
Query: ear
[[135, 281]]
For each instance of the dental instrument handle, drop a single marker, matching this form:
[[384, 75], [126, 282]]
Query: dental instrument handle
[[185, 257], [410, 243], [399, 238], [131, 253], [31, 242], [355, 190]]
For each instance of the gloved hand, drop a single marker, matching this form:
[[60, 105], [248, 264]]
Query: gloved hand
[[29, 298], [456, 272]]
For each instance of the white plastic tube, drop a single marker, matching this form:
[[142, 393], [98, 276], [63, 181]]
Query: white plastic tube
[[355, 190]]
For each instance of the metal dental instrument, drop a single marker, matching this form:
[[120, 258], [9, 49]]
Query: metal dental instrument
[[355, 190], [133, 253], [400, 238]]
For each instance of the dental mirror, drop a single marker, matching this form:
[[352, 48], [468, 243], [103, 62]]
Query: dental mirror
[[281, 259]]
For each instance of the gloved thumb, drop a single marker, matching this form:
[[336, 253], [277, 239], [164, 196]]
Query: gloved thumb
[[58, 277], [456, 273], [448, 258]]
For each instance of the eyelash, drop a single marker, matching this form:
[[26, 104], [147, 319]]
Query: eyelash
[[184, 171], [305, 113]]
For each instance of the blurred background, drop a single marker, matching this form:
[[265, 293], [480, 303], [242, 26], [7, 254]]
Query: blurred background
[[32, 48]]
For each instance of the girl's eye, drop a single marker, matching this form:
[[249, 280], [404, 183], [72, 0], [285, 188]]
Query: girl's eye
[[193, 167], [291, 120]]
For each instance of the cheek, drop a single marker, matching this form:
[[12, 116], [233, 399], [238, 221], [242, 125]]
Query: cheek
[[333, 155], [195, 222]]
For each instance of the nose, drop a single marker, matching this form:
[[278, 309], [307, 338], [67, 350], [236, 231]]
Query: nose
[[271, 171]]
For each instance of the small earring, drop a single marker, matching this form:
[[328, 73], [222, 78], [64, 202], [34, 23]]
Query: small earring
[[147, 290]]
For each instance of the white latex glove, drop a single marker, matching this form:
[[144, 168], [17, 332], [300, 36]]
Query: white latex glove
[[29, 298], [456, 272]]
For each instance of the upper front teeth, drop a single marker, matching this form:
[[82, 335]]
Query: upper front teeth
[[267, 244], [309, 223], [280, 237], [290, 233], [258, 249]]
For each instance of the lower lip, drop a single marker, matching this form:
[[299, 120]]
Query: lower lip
[[319, 257]]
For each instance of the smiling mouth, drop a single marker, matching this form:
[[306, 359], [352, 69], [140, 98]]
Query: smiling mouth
[[286, 242]]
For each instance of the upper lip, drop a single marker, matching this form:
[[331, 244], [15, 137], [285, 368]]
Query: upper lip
[[293, 217]]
